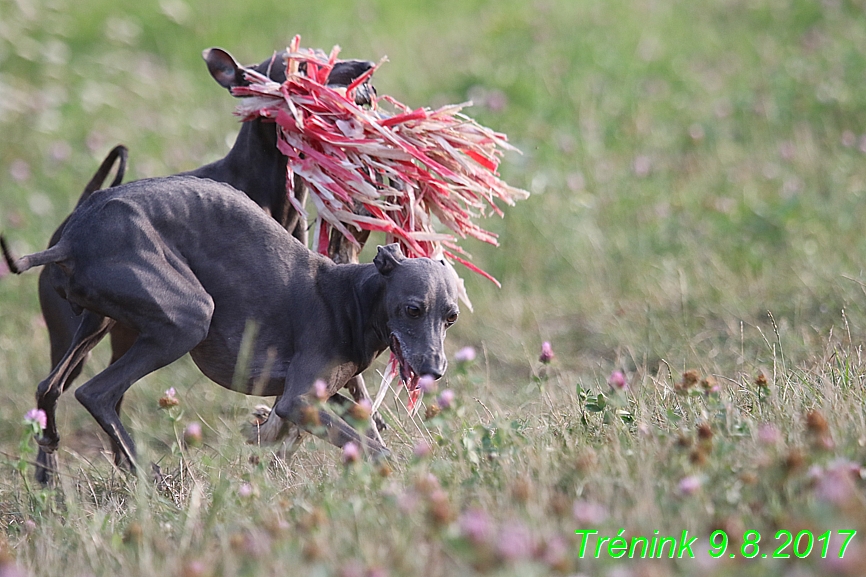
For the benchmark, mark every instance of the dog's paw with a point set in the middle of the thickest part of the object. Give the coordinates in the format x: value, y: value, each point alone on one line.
x: 380, y: 423
x: 260, y: 415
x: 265, y: 428
x: 46, y: 467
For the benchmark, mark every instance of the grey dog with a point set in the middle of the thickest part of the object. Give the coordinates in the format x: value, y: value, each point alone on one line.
x: 188, y: 263
x: 253, y: 166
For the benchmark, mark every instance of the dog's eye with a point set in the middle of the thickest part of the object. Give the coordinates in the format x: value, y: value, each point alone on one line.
x: 413, y: 312
x: 451, y: 319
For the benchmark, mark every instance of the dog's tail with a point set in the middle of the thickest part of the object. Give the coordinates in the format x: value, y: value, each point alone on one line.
x: 57, y: 253
x: 118, y: 152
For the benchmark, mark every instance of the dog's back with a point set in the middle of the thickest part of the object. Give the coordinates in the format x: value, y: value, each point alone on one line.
x: 183, y: 225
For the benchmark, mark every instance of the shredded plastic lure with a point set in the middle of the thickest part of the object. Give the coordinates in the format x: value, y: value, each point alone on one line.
x: 371, y: 169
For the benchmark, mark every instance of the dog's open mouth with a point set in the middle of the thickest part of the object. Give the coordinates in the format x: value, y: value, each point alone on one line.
x: 407, y: 373
x: 408, y: 377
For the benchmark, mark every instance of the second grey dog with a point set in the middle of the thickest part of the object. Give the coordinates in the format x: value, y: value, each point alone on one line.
x: 188, y: 262
x: 253, y: 166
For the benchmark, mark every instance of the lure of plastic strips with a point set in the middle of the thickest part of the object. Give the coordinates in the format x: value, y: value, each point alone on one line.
x: 374, y: 169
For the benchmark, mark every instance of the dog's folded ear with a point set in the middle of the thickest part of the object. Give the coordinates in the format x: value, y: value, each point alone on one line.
x: 224, y: 68
x: 345, y: 72
x: 388, y: 258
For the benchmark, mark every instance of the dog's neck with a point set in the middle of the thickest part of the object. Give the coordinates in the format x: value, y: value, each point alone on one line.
x: 361, y: 290
x: 254, y: 165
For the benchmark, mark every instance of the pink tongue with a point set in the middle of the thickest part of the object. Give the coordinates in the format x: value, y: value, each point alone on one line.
x: 414, y: 397
x: 414, y: 392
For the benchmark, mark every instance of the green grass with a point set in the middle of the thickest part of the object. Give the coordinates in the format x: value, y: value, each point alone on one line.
x: 698, y: 181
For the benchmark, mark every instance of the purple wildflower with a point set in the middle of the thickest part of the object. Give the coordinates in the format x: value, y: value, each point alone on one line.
x: 515, y: 542
x: 555, y: 553
x: 446, y: 399
x: 546, y: 352
x: 37, y: 416
x: 351, y: 453
x: 689, y: 485
x: 19, y: 170
x: 321, y: 390
x: 769, y: 435
x: 476, y: 526
x: 353, y: 568
x: 642, y: 166
x: 427, y: 384
x: 192, y: 434
x: 422, y: 449
x: 465, y: 355
x: 617, y: 381
x: 9, y: 568
x: 194, y: 568
x: 408, y: 502
x: 169, y: 399
x: 836, y: 483
x: 588, y: 513
x: 362, y: 410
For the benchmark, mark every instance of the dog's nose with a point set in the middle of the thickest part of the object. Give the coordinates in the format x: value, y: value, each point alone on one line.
x: 435, y: 370
x: 433, y: 364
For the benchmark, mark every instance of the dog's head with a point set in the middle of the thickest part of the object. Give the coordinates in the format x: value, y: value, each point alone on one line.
x: 421, y: 303
x: 228, y: 73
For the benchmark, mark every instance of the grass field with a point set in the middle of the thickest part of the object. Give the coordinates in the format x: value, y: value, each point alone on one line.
x: 698, y: 179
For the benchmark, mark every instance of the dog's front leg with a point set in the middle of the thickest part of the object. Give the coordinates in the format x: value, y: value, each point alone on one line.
x: 267, y: 428
x: 295, y: 405
x: 346, y: 405
x: 358, y: 389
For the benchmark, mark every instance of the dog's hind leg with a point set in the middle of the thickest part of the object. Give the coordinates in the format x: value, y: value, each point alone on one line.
x: 122, y: 339
x: 91, y: 329
x: 61, y: 333
x: 60, y: 320
x: 101, y: 394
x: 172, y: 315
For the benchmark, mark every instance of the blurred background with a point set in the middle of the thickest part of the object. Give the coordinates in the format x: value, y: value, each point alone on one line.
x: 693, y: 165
